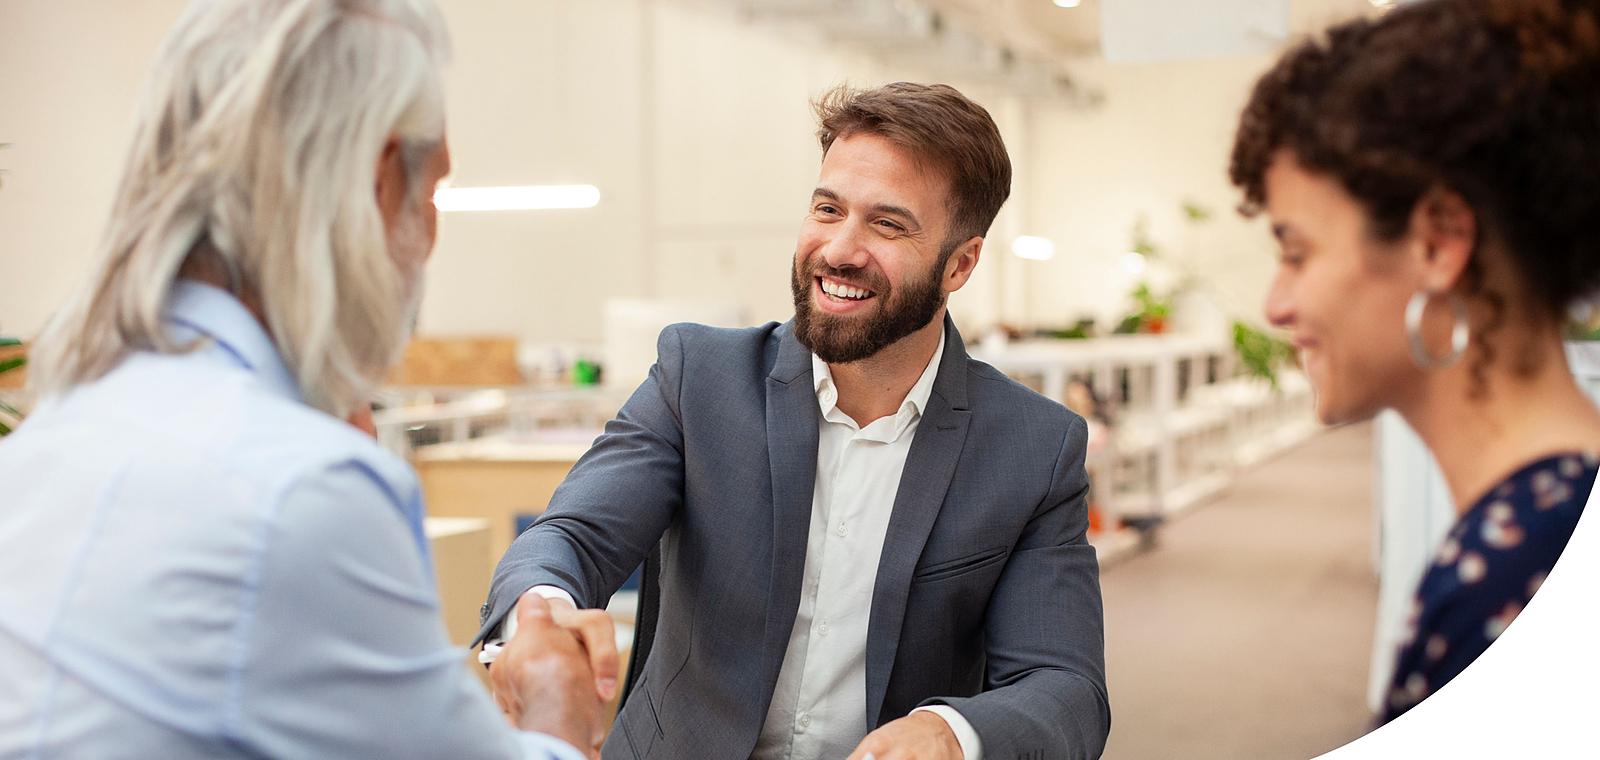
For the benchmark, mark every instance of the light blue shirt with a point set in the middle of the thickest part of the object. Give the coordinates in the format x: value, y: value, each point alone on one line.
x: 195, y: 563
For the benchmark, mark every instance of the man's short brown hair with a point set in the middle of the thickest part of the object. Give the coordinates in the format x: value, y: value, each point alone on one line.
x: 938, y: 125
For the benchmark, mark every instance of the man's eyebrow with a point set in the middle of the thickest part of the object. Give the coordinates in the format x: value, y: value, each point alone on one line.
x: 882, y: 208
x: 900, y: 211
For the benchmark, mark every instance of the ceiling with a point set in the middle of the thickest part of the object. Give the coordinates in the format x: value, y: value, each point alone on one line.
x: 1030, y: 45
x: 1075, y: 32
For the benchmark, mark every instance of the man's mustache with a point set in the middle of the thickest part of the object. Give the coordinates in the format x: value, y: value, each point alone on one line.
x: 858, y: 278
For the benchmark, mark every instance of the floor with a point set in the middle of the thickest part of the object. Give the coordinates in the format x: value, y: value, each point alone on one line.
x: 1246, y: 632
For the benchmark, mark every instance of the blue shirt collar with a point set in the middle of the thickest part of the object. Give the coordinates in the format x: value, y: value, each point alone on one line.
x: 196, y: 310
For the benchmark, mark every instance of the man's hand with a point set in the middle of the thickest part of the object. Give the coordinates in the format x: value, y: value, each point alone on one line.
x: 542, y: 680
x: 918, y: 736
x: 597, y: 632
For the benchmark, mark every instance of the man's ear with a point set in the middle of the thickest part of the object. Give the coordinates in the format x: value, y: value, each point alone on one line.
x: 958, y: 269
x: 1447, y: 228
x: 391, y: 182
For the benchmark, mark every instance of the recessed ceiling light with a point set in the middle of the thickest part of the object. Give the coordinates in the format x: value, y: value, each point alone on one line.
x: 1134, y: 263
x: 1033, y: 247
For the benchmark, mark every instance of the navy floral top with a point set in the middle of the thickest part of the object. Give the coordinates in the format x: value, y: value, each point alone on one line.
x: 1488, y: 567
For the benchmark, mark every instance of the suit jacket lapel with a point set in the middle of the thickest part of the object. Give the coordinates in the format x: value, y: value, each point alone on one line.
x: 792, y: 424
x: 930, y: 465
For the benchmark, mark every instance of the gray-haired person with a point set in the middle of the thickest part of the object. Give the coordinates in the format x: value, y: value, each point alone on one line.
x: 201, y: 558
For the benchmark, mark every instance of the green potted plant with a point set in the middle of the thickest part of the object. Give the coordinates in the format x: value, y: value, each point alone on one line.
x: 1149, y: 315
x: 1153, y: 311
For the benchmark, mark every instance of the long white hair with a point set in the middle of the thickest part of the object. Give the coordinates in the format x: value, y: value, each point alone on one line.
x: 259, y: 134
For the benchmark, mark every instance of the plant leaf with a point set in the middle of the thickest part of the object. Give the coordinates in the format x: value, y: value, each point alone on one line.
x: 1260, y: 353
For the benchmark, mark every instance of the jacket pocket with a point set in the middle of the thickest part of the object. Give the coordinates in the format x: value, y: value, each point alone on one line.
x: 960, y: 565
x: 639, y: 723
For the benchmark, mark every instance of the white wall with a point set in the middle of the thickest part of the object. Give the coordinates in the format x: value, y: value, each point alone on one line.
x: 544, y: 92
x: 697, y: 129
x: 1161, y: 138
x: 69, y: 78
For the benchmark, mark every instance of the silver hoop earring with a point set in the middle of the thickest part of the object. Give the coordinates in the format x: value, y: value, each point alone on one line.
x: 1459, y: 333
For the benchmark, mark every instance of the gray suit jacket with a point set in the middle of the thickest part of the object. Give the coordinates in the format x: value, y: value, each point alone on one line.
x: 987, y: 597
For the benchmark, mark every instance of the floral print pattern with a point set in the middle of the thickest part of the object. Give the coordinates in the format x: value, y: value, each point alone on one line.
x: 1486, y: 570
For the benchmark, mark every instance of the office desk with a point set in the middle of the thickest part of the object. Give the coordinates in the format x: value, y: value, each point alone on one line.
x: 498, y: 478
x: 459, y: 545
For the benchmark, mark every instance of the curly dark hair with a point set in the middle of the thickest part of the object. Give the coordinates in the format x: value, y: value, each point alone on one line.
x: 1497, y: 100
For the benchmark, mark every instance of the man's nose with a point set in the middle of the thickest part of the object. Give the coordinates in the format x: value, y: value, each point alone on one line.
x: 846, y: 248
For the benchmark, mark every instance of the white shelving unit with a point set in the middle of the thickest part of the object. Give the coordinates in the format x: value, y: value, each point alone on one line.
x: 1185, y: 420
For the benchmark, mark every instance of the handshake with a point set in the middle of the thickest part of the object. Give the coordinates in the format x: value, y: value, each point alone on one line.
x: 558, y: 671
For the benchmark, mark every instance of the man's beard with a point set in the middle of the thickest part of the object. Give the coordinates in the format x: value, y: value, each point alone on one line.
x: 843, y: 339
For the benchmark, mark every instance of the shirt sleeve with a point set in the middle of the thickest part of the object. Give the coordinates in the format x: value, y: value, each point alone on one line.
x: 493, y: 645
x: 966, y: 736
x: 343, y: 653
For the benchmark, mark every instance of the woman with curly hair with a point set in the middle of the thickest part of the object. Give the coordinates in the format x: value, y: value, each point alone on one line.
x: 1433, y: 181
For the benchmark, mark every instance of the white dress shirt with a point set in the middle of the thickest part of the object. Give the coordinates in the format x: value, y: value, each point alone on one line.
x: 819, y: 705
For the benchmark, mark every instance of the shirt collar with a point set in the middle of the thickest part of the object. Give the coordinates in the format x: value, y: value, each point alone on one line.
x: 196, y: 310
x: 911, y: 409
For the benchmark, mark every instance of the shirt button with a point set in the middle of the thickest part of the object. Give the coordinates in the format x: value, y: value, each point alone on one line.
x: 841, y: 530
x: 822, y: 628
x: 805, y: 721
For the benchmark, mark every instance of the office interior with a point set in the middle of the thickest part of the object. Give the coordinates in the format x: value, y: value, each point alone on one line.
x: 1254, y: 562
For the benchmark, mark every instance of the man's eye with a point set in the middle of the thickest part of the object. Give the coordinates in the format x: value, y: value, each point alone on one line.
x: 885, y: 223
x: 826, y: 208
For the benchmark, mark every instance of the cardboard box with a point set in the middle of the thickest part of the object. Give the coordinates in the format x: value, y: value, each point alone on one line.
x: 460, y: 546
x: 459, y: 362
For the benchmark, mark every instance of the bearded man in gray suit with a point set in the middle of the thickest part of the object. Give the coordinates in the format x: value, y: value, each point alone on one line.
x: 871, y: 544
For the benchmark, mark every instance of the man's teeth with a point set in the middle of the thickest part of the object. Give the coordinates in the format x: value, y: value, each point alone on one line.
x: 844, y: 291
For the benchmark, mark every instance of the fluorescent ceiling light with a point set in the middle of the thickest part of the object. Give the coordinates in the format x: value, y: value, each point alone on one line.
x: 1068, y: 3
x: 1033, y: 247
x: 517, y: 198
